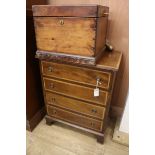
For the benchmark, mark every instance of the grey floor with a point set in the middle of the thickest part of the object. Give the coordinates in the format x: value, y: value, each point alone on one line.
x: 60, y: 139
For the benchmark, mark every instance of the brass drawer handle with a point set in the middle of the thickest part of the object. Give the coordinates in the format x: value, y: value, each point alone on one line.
x: 61, y: 22
x: 50, y: 69
x: 94, y: 110
x: 51, y: 85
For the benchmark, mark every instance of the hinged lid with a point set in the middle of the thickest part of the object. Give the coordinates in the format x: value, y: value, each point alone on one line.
x: 70, y: 11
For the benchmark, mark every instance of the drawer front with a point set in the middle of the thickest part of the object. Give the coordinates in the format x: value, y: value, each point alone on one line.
x: 75, y: 105
x: 76, y: 91
x: 77, y: 74
x: 66, y: 35
x: 74, y: 118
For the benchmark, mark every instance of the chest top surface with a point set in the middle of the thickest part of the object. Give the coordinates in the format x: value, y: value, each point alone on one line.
x: 109, y: 61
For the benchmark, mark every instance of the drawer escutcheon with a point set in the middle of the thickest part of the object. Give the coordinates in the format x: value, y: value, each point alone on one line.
x: 61, y: 22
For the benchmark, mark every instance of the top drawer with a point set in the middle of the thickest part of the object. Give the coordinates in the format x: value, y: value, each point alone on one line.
x: 77, y: 74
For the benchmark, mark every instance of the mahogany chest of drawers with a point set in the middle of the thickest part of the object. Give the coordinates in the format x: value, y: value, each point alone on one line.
x: 77, y: 85
x: 69, y: 92
x: 71, y: 33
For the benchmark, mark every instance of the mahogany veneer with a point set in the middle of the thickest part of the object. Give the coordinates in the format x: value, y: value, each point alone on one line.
x: 69, y: 93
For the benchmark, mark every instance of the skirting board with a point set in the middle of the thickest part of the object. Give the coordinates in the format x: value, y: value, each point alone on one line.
x: 31, y: 124
x: 120, y: 137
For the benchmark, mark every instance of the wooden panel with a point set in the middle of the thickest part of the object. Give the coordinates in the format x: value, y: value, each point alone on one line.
x: 70, y: 11
x: 59, y: 35
x: 35, y: 110
x: 101, y: 33
x: 110, y: 60
x: 74, y: 118
x: 76, y: 91
x: 75, y: 105
x: 77, y: 74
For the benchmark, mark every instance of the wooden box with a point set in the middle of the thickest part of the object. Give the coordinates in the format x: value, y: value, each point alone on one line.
x: 74, y: 34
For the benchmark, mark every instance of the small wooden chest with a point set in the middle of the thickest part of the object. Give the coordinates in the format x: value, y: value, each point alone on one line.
x: 70, y: 33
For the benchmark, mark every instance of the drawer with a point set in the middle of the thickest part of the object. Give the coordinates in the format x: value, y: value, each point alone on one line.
x: 75, y: 90
x: 75, y: 105
x: 77, y: 74
x: 74, y: 118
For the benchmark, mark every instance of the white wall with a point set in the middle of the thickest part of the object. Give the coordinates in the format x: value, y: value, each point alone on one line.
x: 124, y: 124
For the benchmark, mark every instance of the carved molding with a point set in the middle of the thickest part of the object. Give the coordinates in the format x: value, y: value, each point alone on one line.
x: 67, y: 58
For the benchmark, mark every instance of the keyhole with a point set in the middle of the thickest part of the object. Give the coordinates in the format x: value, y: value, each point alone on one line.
x: 61, y: 22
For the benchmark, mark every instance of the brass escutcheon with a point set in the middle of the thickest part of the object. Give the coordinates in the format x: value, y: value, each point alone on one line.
x: 61, y: 22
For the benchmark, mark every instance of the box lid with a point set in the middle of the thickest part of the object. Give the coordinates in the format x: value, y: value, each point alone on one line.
x: 70, y: 11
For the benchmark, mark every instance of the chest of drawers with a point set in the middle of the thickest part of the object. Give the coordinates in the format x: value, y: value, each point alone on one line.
x: 71, y: 33
x: 69, y: 92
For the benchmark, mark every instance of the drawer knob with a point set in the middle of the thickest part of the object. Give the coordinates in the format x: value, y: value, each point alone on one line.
x: 92, y: 124
x: 53, y: 99
x: 50, y: 69
x: 54, y: 112
x: 94, y: 110
x: 61, y: 22
x: 51, y: 85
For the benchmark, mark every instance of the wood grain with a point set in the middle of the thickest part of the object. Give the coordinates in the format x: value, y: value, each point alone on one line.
x: 75, y: 105
x: 74, y: 118
x: 77, y: 74
x: 118, y: 35
x: 101, y: 33
x: 71, y: 29
x: 67, y: 58
x: 110, y: 60
x: 76, y: 91
x: 70, y: 11
x: 66, y: 38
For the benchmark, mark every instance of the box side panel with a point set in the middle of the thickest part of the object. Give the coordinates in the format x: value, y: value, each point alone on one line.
x: 101, y: 34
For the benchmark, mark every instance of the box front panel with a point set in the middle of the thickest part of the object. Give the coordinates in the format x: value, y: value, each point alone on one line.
x: 66, y: 35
